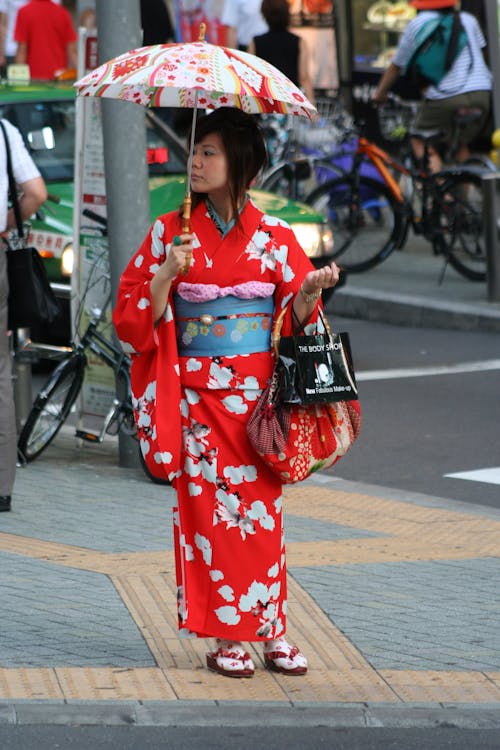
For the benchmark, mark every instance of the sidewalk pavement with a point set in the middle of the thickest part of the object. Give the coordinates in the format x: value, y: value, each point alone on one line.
x: 405, y: 290
x: 393, y: 596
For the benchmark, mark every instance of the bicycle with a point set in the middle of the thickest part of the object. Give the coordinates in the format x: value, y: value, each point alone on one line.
x: 301, y: 150
x: 371, y: 216
x: 54, y: 403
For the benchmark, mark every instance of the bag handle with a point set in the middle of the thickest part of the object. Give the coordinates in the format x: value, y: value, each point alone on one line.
x: 278, y: 325
x: 12, y: 184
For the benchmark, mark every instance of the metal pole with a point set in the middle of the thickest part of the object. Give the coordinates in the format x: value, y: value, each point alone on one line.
x: 23, y: 396
x: 491, y: 182
x: 126, y: 172
x: 343, y: 39
x: 492, y: 12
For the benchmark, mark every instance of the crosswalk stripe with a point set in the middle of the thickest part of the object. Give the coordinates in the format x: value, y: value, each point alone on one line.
x: 490, y: 476
x: 416, y: 372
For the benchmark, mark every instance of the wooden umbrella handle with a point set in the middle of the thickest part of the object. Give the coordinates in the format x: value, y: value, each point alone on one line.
x: 186, y: 227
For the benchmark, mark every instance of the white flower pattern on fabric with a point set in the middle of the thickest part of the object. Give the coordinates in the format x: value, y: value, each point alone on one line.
x: 204, y: 546
x: 258, y: 596
x: 240, y: 474
x: 231, y: 510
x: 157, y: 246
x: 188, y: 549
x: 235, y: 404
x: 273, y: 572
x: 228, y: 615
x: 258, y: 512
x: 227, y: 593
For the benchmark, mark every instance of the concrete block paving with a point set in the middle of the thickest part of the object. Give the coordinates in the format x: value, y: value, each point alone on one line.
x: 393, y: 601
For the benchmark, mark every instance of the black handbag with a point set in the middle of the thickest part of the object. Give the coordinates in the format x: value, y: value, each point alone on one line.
x: 315, y: 368
x: 31, y: 298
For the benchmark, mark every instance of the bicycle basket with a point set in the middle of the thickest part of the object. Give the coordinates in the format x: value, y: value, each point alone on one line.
x: 325, y: 132
x: 394, y: 121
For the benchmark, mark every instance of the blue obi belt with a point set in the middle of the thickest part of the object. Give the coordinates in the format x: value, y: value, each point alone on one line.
x: 223, y: 326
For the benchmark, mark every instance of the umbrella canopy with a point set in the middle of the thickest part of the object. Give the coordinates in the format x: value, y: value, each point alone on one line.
x: 196, y: 74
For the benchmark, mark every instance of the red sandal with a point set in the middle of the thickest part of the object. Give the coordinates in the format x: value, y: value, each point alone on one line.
x: 285, y: 659
x: 231, y: 661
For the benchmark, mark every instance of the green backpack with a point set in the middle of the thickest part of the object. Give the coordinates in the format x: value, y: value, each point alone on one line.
x: 438, y: 44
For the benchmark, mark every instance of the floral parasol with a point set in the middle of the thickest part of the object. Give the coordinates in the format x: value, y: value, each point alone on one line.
x: 196, y: 74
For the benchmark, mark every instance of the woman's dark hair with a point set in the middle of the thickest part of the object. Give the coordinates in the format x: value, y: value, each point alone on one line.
x: 243, y: 144
x: 276, y: 14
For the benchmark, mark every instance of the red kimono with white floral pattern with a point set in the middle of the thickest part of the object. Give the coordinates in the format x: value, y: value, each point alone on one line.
x: 229, y: 546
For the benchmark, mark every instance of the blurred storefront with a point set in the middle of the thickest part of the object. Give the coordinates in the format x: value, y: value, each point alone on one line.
x: 368, y: 33
x: 313, y: 20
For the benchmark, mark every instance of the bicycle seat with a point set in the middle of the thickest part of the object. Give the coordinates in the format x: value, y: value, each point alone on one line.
x: 429, y: 136
x: 466, y: 115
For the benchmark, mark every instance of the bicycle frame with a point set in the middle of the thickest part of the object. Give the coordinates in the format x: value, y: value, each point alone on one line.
x: 104, y: 348
x: 384, y: 162
x: 380, y: 159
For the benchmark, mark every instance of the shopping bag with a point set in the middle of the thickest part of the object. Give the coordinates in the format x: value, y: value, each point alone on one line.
x: 316, y: 368
x: 31, y: 298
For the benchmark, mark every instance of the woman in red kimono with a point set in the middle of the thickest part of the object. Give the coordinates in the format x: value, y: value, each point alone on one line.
x: 200, y: 344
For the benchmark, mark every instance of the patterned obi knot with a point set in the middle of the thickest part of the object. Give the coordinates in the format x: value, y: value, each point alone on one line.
x: 224, y: 326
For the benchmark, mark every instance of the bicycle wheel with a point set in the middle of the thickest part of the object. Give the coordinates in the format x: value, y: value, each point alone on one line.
x: 459, y: 216
x: 51, y: 407
x: 366, y: 220
x: 298, y: 178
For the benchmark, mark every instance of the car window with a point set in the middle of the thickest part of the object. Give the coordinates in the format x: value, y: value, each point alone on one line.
x: 53, y: 152
x: 55, y: 163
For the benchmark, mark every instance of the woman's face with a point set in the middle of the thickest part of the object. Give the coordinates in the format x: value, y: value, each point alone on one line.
x: 210, y: 172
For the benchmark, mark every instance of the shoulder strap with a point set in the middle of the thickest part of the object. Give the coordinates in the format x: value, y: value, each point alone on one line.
x: 453, y: 49
x: 12, y: 183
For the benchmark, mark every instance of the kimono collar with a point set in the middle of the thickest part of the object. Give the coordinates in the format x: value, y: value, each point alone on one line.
x: 221, y: 225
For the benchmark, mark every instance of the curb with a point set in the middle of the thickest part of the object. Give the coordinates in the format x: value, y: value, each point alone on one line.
x: 242, y: 714
x: 414, y: 310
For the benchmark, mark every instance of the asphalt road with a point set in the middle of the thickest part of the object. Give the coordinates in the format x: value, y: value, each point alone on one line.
x: 430, y: 408
x: 245, y: 738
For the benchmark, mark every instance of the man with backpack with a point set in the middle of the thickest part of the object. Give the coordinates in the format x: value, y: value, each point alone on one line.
x: 441, y: 50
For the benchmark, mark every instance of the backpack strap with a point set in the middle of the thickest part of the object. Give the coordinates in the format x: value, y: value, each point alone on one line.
x: 12, y: 183
x: 451, y: 52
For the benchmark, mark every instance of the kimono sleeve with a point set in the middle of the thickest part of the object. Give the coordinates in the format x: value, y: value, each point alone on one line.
x: 133, y: 314
x: 295, y: 267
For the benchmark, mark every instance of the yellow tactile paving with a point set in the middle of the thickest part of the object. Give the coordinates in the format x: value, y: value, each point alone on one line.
x: 17, y: 684
x: 442, y: 687
x: 114, y: 684
x: 402, y: 549
x: 338, y: 671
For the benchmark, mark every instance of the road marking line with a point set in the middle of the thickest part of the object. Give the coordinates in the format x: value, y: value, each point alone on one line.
x: 417, y: 372
x: 490, y: 476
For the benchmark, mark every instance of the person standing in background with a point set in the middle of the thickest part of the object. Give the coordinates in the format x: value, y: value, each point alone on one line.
x: 156, y: 24
x: 32, y: 194
x: 289, y: 53
x: 46, y: 37
x: 8, y: 15
x: 286, y: 51
x: 243, y: 21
